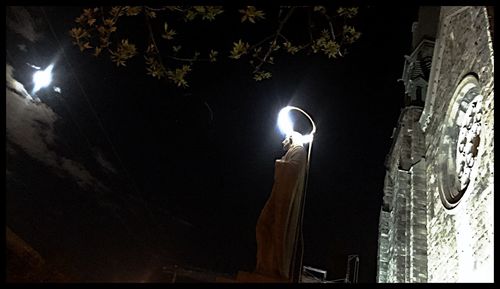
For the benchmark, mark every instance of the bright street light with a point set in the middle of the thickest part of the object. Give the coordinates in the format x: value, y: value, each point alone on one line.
x: 42, y: 78
x: 285, y: 124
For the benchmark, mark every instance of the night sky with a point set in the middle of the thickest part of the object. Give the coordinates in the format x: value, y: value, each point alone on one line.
x: 187, y: 171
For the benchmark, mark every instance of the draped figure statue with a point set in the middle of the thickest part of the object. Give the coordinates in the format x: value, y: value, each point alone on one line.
x: 277, y: 226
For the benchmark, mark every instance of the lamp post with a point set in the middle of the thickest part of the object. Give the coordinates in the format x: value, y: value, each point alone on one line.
x: 286, y: 126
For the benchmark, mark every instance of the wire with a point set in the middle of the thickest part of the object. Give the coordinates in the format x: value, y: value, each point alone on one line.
x: 131, y: 181
x: 75, y: 123
x: 90, y: 104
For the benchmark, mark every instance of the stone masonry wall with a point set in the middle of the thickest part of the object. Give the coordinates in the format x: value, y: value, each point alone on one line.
x: 402, y: 231
x: 460, y: 240
x: 383, y: 247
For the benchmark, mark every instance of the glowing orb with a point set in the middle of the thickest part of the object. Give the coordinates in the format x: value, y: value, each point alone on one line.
x: 285, y: 125
x: 284, y: 122
x: 42, y: 78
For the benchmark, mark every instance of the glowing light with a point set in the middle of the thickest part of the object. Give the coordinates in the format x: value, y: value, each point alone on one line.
x: 307, y: 138
x: 284, y: 122
x: 42, y: 78
x: 298, y: 137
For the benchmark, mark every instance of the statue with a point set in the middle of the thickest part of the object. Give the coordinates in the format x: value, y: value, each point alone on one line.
x: 277, y: 226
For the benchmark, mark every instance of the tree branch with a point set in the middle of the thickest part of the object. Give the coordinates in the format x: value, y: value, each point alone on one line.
x: 276, y: 34
x: 188, y: 59
x: 331, y: 29
x: 309, y: 25
x: 260, y: 42
x: 283, y: 36
x: 151, y: 35
x: 155, y: 9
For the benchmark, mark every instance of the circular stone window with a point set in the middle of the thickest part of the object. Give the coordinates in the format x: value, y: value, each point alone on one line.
x: 468, y: 142
x: 458, y: 157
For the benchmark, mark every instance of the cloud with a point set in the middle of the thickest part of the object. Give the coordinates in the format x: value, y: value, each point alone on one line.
x: 14, y: 85
x: 30, y: 125
x: 22, y: 47
x: 20, y: 21
x: 104, y: 162
x: 83, y: 177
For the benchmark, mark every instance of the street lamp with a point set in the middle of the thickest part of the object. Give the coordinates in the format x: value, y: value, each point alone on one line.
x: 286, y: 126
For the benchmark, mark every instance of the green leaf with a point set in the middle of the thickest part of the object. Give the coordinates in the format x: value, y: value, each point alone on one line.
x: 190, y: 15
x: 77, y: 33
x: 239, y: 48
x: 319, y: 8
x: 331, y: 49
x: 155, y: 69
x: 347, y: 12
x: 274, y: 45
x: 257, y: 51
x: 199, y: 9
x: 176, y: 48
x: 123, y: 52
x: 350, y: 34
x: 251, y: 14
x: 211, y: 12
x: 88, y: 12
x: 178, y: 75
x: 169, y: 34
x: 261, y: 75
x: 151, y: 48
x: 80, y: 19
x: 213, y: 55
x: 151, y: 13
x: 134, y: 10
x: 290, y: 48
x: 116, y: 11
x: 109, y: 22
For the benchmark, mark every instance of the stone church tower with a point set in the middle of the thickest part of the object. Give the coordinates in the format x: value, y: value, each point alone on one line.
x: 436, y: 220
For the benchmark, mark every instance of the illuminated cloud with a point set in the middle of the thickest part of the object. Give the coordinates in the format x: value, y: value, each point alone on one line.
x: 30, y: 125
x: 20, y: 21
x: 14, y: 85
x: 103, y: 161
x: 22, y: 47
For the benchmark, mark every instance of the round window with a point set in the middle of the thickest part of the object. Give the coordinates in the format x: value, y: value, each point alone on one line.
x: 458, y: 157
x: 468, y: 142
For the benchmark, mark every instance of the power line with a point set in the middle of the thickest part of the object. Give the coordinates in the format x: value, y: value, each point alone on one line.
x: 131, y: 182
x: 90, y: 105
x: 75, y: 123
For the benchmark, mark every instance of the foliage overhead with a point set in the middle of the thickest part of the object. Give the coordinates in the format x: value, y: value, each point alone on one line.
x: 314, y: 30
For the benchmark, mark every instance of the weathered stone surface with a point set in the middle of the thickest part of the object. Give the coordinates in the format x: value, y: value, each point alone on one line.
x: 436, y: 223
x: 402, y: 230
x: 457, y: 250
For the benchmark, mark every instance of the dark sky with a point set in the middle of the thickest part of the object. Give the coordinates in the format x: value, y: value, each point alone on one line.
x: 205, y: 175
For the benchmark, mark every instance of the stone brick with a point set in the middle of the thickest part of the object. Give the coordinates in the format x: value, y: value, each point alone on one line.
x: 426, y: 239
